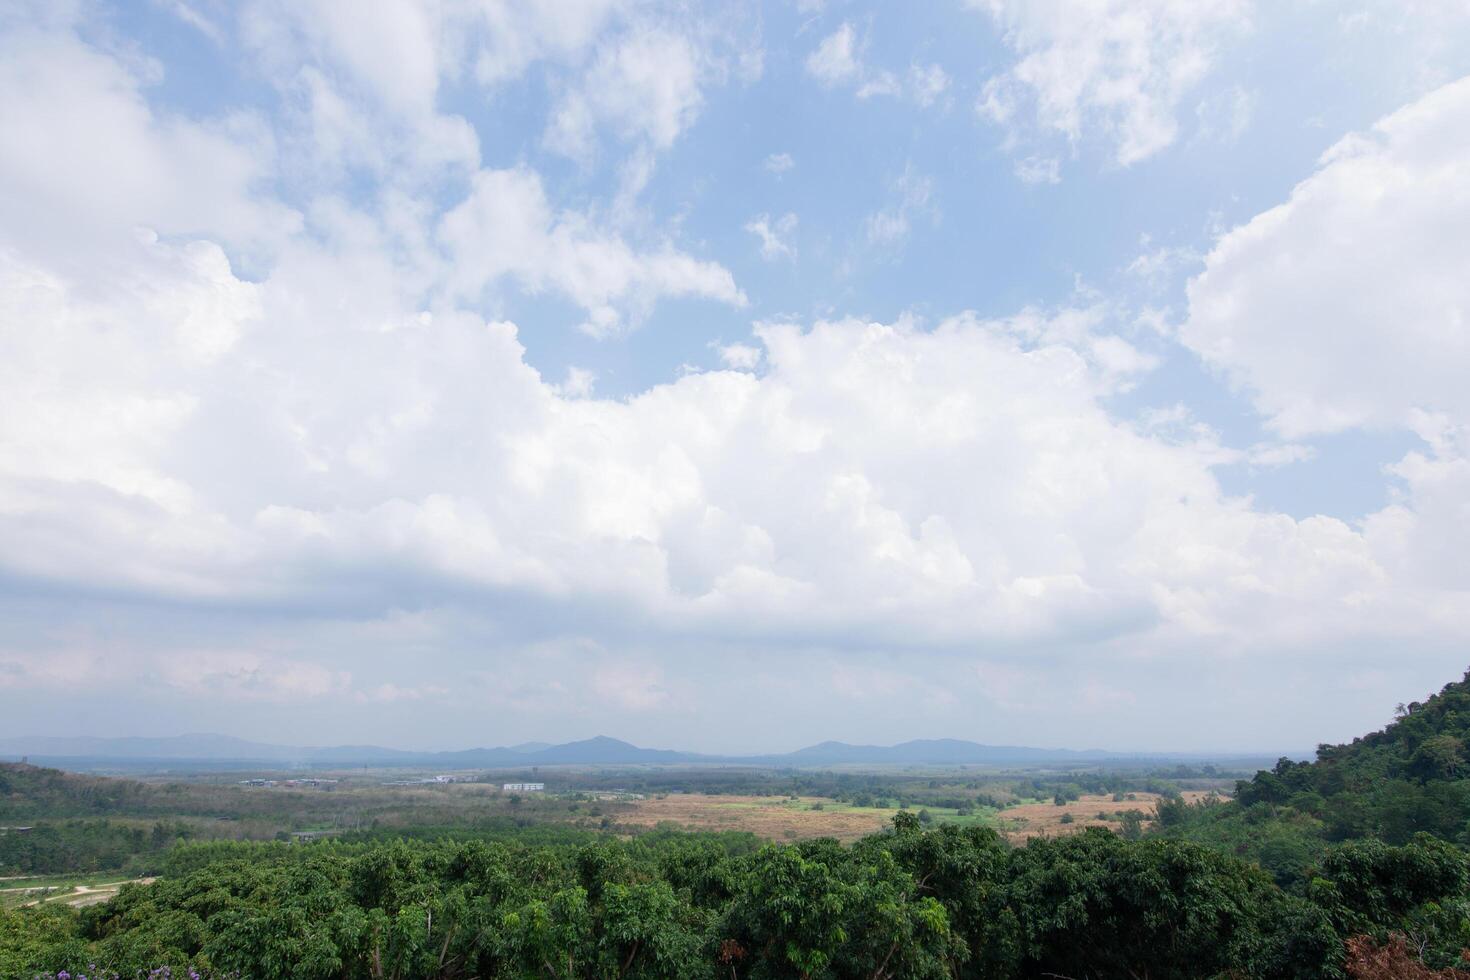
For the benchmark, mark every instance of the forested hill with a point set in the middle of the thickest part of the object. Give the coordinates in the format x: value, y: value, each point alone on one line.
x: 1411, y: 777
x: 30, y: 791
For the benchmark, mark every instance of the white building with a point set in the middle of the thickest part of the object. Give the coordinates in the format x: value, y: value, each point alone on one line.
x: 524, y: 787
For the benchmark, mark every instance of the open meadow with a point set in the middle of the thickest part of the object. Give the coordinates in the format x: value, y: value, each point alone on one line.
x: 804, y: 817
x: 773, y: 818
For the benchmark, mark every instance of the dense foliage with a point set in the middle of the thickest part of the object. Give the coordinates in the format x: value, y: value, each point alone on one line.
x: 1411, y: 778
x: 907, y: 903
x: 31, y: 791
x: 71, y: 846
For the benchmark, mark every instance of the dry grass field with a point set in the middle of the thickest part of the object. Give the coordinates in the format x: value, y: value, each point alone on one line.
x: 1045, y: 819
x: 1020, y: 823
x: 780, y: 818
x: 773, y: 817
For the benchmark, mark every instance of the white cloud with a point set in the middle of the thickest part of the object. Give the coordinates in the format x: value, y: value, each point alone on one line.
x: 645, y: 87
x: 634, y: 688
x: 911, y: 198
x: 740, y: 357
x: 779, y: 163
x: 237, y: 676
x: 368, y: 90
x: 879, y: 83
x: 1039, y: 170
x: 1345, y: 306
x: 506, y: 227
x: 835, y: 60
x: 310, y: 446
x: 1426, y: 41
x: 517, y: 34
x: 1273, y: 454
x: 1225, y: 116
x: 186, y: 13
x: 928, y: 83
x: 838, y: 61
x: 365, y: 90
x: 84, y: 158
x: 1117, y: 67
x: 775, y: 237
x: 1158, y: 263
x: 956, y: 485
x: 388, y: 693
x: 919, y: 489
x: 579, y: 383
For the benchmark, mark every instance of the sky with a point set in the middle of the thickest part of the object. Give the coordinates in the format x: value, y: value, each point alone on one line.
x: 731, y: 377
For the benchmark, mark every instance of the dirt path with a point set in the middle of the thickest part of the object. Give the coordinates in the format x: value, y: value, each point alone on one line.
x: 76, y: 896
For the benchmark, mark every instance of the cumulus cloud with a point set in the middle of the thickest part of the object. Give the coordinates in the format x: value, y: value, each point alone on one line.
x: 950, y: 488
x: 578, y: 384
x: 929, y: 487
x: 1120, y: 68
x: 262, y: 454
x: 1370, y: 331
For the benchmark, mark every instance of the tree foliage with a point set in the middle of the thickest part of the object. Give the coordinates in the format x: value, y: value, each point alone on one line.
x: 910, y: 902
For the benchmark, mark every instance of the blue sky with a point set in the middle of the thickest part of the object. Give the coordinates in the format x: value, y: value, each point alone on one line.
x: 733, y: 376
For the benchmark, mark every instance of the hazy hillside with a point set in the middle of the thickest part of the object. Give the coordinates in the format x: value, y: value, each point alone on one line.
x: 29, y: 791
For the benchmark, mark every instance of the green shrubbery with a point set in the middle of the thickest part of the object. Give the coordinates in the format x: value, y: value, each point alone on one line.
x: 951, y: 902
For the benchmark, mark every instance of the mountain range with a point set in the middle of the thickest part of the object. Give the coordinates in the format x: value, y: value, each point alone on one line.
x: 224, y: 751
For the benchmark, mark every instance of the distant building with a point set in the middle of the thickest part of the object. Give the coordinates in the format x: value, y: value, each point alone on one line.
x: 524, y: 787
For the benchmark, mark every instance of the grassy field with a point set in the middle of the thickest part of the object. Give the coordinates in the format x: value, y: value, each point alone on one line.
x: 1046, y: 818
x: 781, y: 818
x: 777, y: 817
